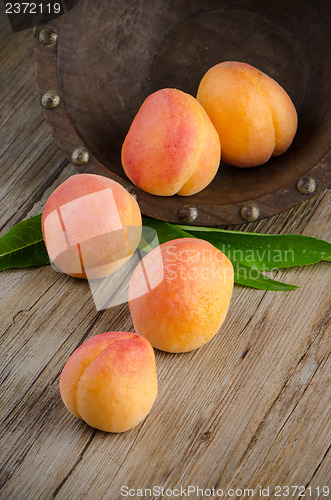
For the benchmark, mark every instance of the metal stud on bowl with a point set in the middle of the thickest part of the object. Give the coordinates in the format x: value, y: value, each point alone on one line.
x: 306, y: 185
x: 187, y: 213
x: 50, y: 99
x: 47, y: 36
x: 80, y: 156
x: 132, y: 192
x: 250, y: 212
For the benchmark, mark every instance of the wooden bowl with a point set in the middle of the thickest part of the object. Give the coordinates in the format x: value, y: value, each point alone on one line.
x: 97, y: 63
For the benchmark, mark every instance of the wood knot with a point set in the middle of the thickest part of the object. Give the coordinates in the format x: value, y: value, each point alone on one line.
x: 206, y: 436
x: 244, y: 354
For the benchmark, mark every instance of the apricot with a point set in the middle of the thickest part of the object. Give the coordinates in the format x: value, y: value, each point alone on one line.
x: 253, y: 115
x: 188, y: 306
x: 172, y: 146
x: 91, y: 225
x: 110, y: 381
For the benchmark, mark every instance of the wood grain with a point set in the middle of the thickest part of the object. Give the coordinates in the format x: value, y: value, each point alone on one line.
x: 250, y: 408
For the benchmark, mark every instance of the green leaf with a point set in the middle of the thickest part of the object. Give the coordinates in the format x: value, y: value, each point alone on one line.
x: 165, y: 231
x: 23, y: 245
x: 243, y: 274
x: 265, y: 251
x: 249, y: 276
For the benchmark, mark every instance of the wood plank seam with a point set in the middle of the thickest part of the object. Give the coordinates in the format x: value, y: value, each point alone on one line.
x: 81, y: 456
x: 318, y: 467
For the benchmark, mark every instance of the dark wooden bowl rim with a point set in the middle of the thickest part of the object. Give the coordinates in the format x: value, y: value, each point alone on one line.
x: 174, y: 209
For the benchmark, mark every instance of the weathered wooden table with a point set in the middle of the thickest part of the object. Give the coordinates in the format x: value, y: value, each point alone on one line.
x: 249, y: 410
